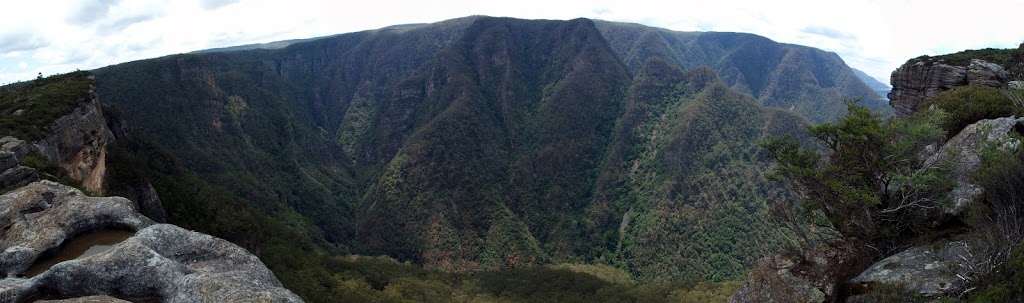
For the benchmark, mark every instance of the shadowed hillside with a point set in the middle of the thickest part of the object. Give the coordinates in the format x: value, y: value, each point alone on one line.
x: 776, y: 74
x: 486, y: 143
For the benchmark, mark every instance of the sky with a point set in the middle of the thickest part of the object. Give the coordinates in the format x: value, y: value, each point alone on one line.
x: 875, y: 36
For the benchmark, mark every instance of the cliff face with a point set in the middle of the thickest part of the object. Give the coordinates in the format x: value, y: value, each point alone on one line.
x: 60, y: 120
x: 77, y: 141
x: 922, y: 78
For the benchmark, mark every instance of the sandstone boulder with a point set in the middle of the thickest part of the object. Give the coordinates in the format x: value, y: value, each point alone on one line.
x: 787, y: 278
x: 172, y: 264
x: 160, y: 261
x: 17, y: 176
x: 963, y: 154
x: 89, y: 299
x: 38, y: 217
x: 13, y: 145
x: 918, y: 80
x: 7, y: 160
x: 929, y: 270
x: 981, y: 72
x: 923, y: 78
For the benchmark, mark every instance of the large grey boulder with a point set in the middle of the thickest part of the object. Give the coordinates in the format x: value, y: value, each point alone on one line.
x: 963, y: 155
x: 918, y: 80
x: 175, y: 265
x: 160, y: 261
x: 923, y: 78
x: 774, y: 280
x: 17, y: 176
x: 984, y: 73
x: 12, y: 174
x: 14, y: 145
x: 38, y: 217
x: 929, y: 270
x: 89, y: 299
x: 7, y: 160
x: 788, y: 278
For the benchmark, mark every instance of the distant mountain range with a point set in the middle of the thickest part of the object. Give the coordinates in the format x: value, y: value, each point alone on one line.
x: 881, y: 88
x: 483, y: 143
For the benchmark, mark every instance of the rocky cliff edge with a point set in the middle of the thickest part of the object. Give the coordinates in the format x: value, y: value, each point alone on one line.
x: 161, y: 261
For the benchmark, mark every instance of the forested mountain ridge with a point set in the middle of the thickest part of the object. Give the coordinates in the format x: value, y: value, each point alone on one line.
x: 482, y: 143
x: 881, y: 88
x: 776, y: 74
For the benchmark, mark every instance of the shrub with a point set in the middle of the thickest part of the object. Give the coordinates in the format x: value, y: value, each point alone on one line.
x: 968, y: 104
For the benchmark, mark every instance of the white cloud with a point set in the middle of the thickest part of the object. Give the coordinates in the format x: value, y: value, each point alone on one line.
x: 875, y: 36
x: 87, y: 12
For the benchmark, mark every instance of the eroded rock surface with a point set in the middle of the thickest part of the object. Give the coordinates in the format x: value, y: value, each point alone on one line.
x: 918, y: 80
x: 963, y: 154
x: 167, y: 262
x: 89, y: 299
x: 39, y: 217
x: 929, y: 270
x: 77, y: 142
x: 160, y: 261
x: 921, y: 78
x: 14, y: 145
x: 14, y: 175
x: 782, y: 278
x: 984, y: 73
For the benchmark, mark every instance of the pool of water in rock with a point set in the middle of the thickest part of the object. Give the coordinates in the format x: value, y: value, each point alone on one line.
x: 81, y: 246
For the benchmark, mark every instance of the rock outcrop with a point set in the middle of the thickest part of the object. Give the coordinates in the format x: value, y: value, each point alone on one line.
x: 160, y: 261
x: 12, y: 174
x: 38, y: 217
x: 981, y: 72
x: 14, y: 145
x: 89, y: 299
x: 963, y: 152
x: 929, y: 270
x: 175, y: 265
x: 922, y: 78
x: 787, y: 278
x: 77, y: 142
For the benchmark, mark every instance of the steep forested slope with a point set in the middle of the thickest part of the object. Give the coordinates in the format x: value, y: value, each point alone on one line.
x: 688, y: 181
x: 782, y: 75
x: 482, y: 143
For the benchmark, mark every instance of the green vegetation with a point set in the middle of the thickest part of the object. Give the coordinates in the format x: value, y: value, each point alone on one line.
x: 478, y: 151
x: 27, y: 108
x: 478, y: 144
x: 998, y: 220
x: 871, y: 187
x: 1004, y: 57
x: 698, y: 181
x: 968, y: 104
x: 48, y: 170
x: 381, y: 279
x: 1006, y: 284
x: 318, y: 277
x: 808, y: 81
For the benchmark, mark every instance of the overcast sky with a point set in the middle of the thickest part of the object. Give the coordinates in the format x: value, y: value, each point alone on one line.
x: 876, y: 36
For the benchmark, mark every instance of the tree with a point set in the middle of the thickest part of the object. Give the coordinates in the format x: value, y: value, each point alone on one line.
x: 864, y: 181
